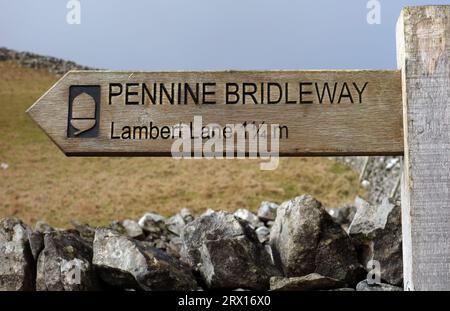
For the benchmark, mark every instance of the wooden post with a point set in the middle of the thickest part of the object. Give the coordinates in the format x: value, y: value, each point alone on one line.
x: 423, y: 54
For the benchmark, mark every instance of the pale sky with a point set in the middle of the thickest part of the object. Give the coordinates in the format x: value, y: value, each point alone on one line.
x: 207, y: 34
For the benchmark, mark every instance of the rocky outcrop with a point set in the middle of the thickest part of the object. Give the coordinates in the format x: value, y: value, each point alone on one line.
x: 305, y: 239
x: 226, y: 252
x: 16, y: 259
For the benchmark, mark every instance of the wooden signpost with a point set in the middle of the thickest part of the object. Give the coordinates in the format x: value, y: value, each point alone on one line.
x: 318, y: 113
x: 423, y: 39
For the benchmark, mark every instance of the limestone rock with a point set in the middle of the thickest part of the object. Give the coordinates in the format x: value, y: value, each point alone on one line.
x: 65, y: 263
x: 43, y: 227
x: 176, y: 223
x: 128, y: 263
x: 151, y: 222
x: 173, y: 248
x: 132, y: 228
x: 226, y: 252
x: 36, y: 240
x: 186, y: 214
x: 263, y: 234
x: 85, y: 231
x: 376, y: 232
x: 249, y: 217
x: 209, y: 226
x: 308, y: 282
x: 267, y: 211
x: 344, y: 289
x: 343, y: 215
x: 16, y: 259
x: 305, y: 239
x: 208, y: 212
x: 379, y: 287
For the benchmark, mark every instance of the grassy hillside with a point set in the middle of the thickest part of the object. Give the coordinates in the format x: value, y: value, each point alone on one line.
x: 41, y: 183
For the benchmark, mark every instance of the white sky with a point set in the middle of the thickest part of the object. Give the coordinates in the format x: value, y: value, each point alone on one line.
x: 207, y: 34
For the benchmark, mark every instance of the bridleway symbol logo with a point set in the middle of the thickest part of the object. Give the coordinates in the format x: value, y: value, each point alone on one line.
x: 84, y: 111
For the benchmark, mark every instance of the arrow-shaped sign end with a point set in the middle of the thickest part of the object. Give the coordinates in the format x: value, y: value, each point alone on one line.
x: 46, y: 109
x: 34, y: 108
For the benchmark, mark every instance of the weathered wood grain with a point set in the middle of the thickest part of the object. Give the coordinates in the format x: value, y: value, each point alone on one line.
x: 371, y: 125
x: 423, y: 38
